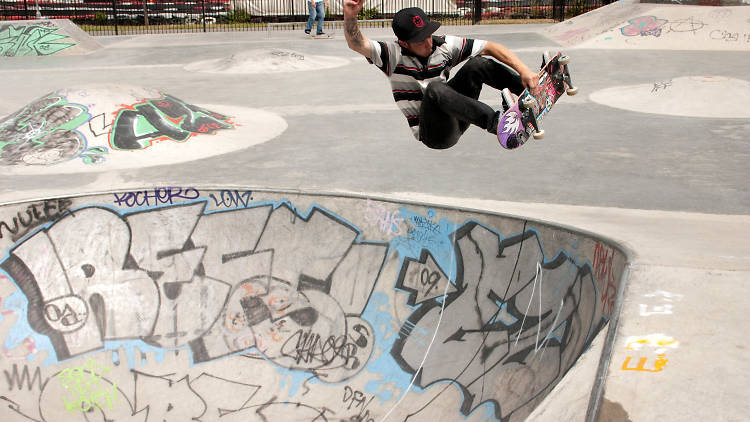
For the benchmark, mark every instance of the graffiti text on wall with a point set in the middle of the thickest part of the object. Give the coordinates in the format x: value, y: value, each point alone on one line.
x: 31, y: 40
x: 33, y: 216
x: 155, y: 197
x: 85, y: 389
x: 223, y: 277
x: 299, y: 307
x: 495, y: 323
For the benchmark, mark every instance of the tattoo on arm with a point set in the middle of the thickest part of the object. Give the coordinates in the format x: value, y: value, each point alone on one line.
x: 352, y: 30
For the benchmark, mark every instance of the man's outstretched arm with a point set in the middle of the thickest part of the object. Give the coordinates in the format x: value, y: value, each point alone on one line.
x: 504, y: 55
x: 354, y: 37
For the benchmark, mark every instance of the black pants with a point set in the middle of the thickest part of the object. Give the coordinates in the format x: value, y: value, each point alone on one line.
x: 449, y: 107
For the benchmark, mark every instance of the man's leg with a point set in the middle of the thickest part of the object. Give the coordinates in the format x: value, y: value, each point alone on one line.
x: 321, y: 15
x: 449, y: 108
x: 310, y: 17
x: 437, y: 128
x: 479, y: 71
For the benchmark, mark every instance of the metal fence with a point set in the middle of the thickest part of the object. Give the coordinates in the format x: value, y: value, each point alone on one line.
x: 114, y: 17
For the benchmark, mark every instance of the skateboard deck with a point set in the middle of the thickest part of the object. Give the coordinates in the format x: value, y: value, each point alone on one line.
x: 521, y: 118
x: 321, y: 37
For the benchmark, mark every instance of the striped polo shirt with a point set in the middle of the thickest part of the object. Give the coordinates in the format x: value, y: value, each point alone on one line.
x: 410, y: 75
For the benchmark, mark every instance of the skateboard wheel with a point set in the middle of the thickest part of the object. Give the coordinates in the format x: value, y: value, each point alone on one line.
x: 572, y: 91
x: 564, y: 60
x: 539, y: 135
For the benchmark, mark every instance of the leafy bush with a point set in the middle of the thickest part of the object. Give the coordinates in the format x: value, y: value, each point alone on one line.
x: 370, y: 13
x: 239, y: 16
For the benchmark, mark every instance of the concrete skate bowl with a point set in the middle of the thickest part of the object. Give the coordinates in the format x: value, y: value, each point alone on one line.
x: 241, y: 305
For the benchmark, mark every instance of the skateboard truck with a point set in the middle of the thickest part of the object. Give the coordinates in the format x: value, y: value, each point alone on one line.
x: 526, y: 105
x: 571, y: 90
x: 561, y: 77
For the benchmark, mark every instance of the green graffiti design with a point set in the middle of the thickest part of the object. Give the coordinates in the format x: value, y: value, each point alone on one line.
x: 165, y: 118
x: 33, y: 40
x: 86, y: 389
x: 43, y: 133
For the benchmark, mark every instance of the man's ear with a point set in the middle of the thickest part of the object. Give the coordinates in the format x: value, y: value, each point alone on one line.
x: 403, y: 44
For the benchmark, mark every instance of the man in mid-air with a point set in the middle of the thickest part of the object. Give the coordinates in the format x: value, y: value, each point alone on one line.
x: 437, y: 109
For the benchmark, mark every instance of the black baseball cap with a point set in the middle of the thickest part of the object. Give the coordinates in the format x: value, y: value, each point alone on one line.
x: 413, y: 25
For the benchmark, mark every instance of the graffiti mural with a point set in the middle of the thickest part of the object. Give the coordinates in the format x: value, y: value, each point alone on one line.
x: 31, y: 40
x: 97, y: 127
x: 152, y: 120
x: 644, y: 26
x: 244, y: 305
x: 43, y: 133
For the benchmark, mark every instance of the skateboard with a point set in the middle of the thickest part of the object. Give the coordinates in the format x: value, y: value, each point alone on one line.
x: 521, y: 117
x: 321, y: 36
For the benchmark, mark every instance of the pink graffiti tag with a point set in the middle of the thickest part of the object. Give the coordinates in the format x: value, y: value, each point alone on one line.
x: 643, y: 26
x: 568, y: 35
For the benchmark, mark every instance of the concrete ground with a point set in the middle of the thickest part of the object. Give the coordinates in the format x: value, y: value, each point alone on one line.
x: 672, y: 189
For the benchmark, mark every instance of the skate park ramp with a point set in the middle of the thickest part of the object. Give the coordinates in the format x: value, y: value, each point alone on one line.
x: 266, y: 60
x: 44, y: 37
x: 103, y: 127
x: 242, y: 305
x: 631, y: 24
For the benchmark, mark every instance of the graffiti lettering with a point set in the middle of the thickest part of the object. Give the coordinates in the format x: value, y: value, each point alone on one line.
x: 67, y: 317
x: 233, y: 198
x: 35, y: 215
x: 424, y: 279
x: 425, y: 224
x: 659, y: 363
x: 310, y: 347
x: 158, y: 196
x: 724, y: 35
x: 178, y: 280
x: 429, y: 280
x: 387, y: 221
x: 602, y: 267
x: 166, y: 118
x: 483, y: 340
x: 358, y: 400
x: 85, y: 389
x: 291, y: 54
x: 31, y: 40
x: 658, y: 341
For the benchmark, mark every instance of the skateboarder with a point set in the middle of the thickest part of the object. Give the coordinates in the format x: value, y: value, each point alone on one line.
x: 438, y: 110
